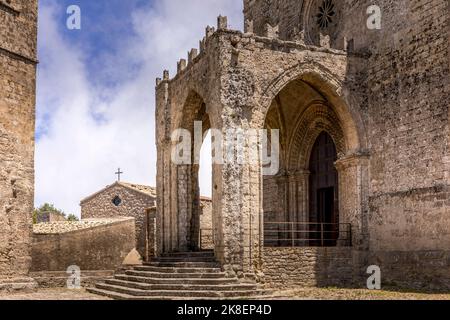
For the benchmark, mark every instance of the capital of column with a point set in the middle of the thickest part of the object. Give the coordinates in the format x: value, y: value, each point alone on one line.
x: 352, y: 160
x: 298, y: 175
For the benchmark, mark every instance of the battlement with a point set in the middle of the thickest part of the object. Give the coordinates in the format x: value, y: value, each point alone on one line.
x: 270, y: 39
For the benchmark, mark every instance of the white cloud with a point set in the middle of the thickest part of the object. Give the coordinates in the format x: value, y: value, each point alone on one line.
x: 77, y: 155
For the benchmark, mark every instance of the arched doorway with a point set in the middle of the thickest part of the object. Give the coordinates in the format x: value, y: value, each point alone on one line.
x: 324, y: 192
x: 302, y: 202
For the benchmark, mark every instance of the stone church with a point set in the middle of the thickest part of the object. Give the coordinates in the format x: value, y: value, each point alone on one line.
x: 363, y: 119
x: 364, y: 161
x: 123, y: 199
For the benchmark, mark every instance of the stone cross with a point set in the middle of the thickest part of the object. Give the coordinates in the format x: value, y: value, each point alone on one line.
x: 118, y: 174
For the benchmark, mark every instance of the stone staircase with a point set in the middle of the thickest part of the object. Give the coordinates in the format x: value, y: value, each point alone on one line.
x: 177, y: 276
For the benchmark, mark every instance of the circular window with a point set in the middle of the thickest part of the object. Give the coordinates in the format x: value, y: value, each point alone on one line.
x: 327, y: 12
x: 117, y: 201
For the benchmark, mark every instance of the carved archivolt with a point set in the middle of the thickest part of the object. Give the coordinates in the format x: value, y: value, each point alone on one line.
x: 315, y: 119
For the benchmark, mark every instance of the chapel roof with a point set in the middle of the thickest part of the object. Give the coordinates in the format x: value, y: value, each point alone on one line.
x: 146, y: 190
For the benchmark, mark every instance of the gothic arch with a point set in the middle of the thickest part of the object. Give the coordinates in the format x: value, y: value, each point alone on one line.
x: 331, y: 88
x: 186, y: 178
x: 316, y: 119
x: 332, y: 110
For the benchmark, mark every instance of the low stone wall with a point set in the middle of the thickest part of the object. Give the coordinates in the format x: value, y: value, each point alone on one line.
x: 58, y: 279
x: 346, y: 267
x: 101, y: 247
x: 414, y: 269
x: 308, y: 267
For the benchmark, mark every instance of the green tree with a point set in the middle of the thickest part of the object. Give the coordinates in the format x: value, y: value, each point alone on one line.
x: 72, y: 217
x: 46, y: 207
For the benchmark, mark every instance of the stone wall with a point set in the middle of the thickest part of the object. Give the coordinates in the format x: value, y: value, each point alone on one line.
x: 45, y: 217
x: 103, y: 247
x: 18, y: 37
x: 418, y: 269
x: 58, y: 279
x: 133, y: 204
x: 206, y: 224
x: 408, y: 79
x: 308, y: 267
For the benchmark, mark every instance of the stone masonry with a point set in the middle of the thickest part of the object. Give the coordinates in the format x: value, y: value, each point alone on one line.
x: 381, y: 95
x: 18, y: 37
x: 132, y: 201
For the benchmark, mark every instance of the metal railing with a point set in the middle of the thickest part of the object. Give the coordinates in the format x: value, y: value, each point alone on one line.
x: 305, y: 234
x: 295, y: 234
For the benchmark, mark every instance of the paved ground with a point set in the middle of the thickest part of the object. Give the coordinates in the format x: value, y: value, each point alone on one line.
x: 52, y: 294
x: 298, y: 294
x: 358, y: 294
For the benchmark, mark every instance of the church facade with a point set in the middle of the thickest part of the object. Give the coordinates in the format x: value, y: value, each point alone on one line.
x: 360, y: 98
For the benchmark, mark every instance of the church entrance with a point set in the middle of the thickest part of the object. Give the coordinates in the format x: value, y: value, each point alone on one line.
x: 324, y: 207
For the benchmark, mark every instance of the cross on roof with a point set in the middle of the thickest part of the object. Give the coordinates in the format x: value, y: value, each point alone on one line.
x: 118, y: 173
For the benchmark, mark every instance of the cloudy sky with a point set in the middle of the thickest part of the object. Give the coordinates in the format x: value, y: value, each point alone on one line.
x: 95, y: 90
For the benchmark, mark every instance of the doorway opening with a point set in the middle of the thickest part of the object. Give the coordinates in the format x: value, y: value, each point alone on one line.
x: 324, y: 197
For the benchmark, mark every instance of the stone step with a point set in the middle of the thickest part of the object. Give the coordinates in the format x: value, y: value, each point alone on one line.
x: 177, y: 270
x: 211, y: 259
x: 181, y: 287
x: 189, y: 254
x: 174, y: 275
x: 122, y: 296
x: 178, y: 293
x: 183, y: 264
x: 182, y: 281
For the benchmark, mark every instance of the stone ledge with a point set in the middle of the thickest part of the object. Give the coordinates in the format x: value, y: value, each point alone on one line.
x: 25, y: 284
x: 58, y: 279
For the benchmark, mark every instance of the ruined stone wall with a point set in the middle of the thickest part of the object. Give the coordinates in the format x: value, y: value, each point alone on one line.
x: 18, y: 37
x: 98, y: 248
x: 133, y: 204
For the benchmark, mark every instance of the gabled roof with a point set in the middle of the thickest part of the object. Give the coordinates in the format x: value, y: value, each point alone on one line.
x: 145, y: 190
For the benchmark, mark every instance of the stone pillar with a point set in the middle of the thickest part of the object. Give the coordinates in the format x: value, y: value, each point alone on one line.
x: 240, y: 212
x: 151, y: 242
x: 353, y: 196
x: 184, y: 207
x: 283, y: 212
x: 165, y: 197
x: 298, y: 182
x: 302, y: 178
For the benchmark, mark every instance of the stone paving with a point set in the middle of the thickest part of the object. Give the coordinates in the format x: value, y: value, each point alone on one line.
x: 357, y: 294
x: 296, y: 294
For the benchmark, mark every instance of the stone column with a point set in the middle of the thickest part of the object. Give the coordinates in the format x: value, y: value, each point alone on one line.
x: 164, y: 198
x: 240, y: 214
x: 151, y: 243
x: 184, y: 197
x: 353, y: 196
x: 283, y: 212
x: 299, y: 180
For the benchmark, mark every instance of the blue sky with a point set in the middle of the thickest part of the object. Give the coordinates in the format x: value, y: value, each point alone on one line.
x: 95, y: 89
